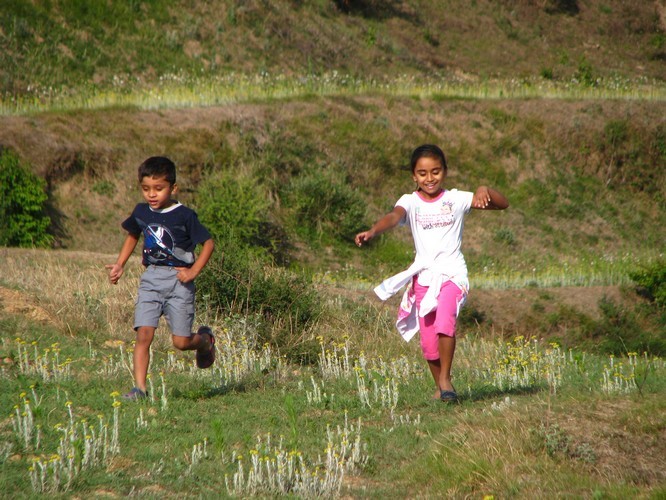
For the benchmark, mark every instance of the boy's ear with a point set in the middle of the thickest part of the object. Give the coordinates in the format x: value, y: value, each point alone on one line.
x: 174, y: 188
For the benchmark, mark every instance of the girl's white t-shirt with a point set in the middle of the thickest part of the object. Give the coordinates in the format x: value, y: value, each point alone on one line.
x: 437, y: 227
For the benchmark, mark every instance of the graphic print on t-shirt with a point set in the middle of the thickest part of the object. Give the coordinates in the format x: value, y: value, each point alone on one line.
x: 158, y: 243
x: 441, y: 216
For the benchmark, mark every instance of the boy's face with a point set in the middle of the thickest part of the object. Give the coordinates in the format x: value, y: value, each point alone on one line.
x: 157, y: 192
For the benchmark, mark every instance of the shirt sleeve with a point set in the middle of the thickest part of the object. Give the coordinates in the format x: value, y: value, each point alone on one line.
x: 465, y: 199
x: 131, y: 225
x: 405, y: 202
x: 197, y: 231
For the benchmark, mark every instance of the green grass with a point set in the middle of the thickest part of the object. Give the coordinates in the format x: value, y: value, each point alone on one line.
x: 184, y: 91
x: 372, y: 411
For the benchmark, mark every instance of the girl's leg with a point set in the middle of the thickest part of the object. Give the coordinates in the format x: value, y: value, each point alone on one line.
x: 438, y: 330
x: 144, y: 337
x: 435, y: 370
x: 447, y: 347
x: 441, y: 368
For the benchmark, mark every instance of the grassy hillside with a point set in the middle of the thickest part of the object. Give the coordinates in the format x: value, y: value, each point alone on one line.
x: 585, y: 178
x: 79, y: 48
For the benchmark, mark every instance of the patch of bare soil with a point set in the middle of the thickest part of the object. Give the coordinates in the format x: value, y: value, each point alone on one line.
x: 517, y: 310
x: 509, y: 309
x: 16, y: 303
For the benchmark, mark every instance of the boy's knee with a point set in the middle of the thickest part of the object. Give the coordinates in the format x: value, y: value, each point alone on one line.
x: 181, y: 343
x: 145, y: 334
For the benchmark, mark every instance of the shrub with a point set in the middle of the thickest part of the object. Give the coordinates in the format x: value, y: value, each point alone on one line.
x: 285, y: 304
x: 323, y: 203
x: 651, y: 282
x: 585, y: 73
x: 236, y: 209
x: 622, y: 330
x: 23, y: 222
x: 505, y: 235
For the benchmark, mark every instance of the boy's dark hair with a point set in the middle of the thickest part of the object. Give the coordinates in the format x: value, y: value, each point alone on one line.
x: 428, y: 151
x: 158, y: 166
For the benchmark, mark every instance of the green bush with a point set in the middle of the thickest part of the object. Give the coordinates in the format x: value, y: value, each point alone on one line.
x: 651, y: 282
x: 323, y: 203
x: 236, y: 209
x: 622, y: 330
x: 285, y: 304
x: 23, y: 221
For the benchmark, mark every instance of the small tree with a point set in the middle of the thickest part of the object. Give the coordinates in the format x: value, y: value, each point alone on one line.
x: 651, y: 282
x: 23, y: 221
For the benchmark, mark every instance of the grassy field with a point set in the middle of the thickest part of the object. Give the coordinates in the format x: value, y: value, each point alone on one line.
x: 534, y: 420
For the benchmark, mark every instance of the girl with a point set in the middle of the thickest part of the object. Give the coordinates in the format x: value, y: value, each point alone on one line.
x: 438, y: 276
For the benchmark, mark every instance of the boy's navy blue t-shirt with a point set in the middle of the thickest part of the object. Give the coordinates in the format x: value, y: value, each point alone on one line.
x: 169, y: 235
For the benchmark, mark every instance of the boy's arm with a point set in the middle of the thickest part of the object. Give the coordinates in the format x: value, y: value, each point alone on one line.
x: 486, y: 198
x: 389, y: 221
x: 187, y: 274
x: 116, y: 270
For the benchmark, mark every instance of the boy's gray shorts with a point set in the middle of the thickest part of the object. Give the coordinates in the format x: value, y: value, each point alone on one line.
x: 160, y: 292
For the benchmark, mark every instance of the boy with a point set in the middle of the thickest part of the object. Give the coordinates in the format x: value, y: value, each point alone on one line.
x: 170, y: 231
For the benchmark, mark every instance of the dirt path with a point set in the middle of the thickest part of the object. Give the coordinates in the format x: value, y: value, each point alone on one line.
x: 508, y: 309
x: 17, y: 303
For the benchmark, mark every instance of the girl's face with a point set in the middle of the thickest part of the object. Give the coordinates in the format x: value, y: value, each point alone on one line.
x: 429, y: 175
x: 157, y: 192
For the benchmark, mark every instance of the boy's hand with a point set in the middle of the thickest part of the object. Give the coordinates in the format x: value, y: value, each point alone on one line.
x: 185, y: 274
x: 115, y: 272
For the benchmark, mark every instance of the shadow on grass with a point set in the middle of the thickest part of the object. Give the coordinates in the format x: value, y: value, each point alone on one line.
x: 492, y: 392
x: 207, y: 392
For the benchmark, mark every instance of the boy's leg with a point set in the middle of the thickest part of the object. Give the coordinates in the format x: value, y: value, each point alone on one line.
x: 144, y: 337
x: 196, y: 341
x: 179, y: 311
x: 146, y: 318
x: 204, y: 343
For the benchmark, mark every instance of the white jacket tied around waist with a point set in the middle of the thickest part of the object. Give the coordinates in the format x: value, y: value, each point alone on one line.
x: 431, y: 274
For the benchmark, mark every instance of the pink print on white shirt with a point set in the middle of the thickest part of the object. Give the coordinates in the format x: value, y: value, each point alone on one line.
x: 431, y: 220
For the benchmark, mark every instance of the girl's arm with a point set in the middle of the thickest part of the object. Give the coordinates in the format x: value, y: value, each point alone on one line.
x: 390, y: 220
x: 116, y: 270
x: 486, y: 198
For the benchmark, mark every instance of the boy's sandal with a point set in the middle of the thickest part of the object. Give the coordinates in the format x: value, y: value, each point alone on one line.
x: 448, y: 396
x: 135, y: 394
x: 206, y: 359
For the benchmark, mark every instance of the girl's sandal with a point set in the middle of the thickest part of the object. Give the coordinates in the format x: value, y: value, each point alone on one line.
x: 448, y: 396
x: 206, y: 359
x: 135, y: 394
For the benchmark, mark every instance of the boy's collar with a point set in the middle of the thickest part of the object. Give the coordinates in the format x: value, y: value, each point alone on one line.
x: 174, y: 204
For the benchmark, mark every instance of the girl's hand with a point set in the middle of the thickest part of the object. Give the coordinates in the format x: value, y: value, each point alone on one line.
x: 115, y: 272
x: 486, y: 198
x: 389, y: 221
x: 363, y: 237
x: 481, y: 198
